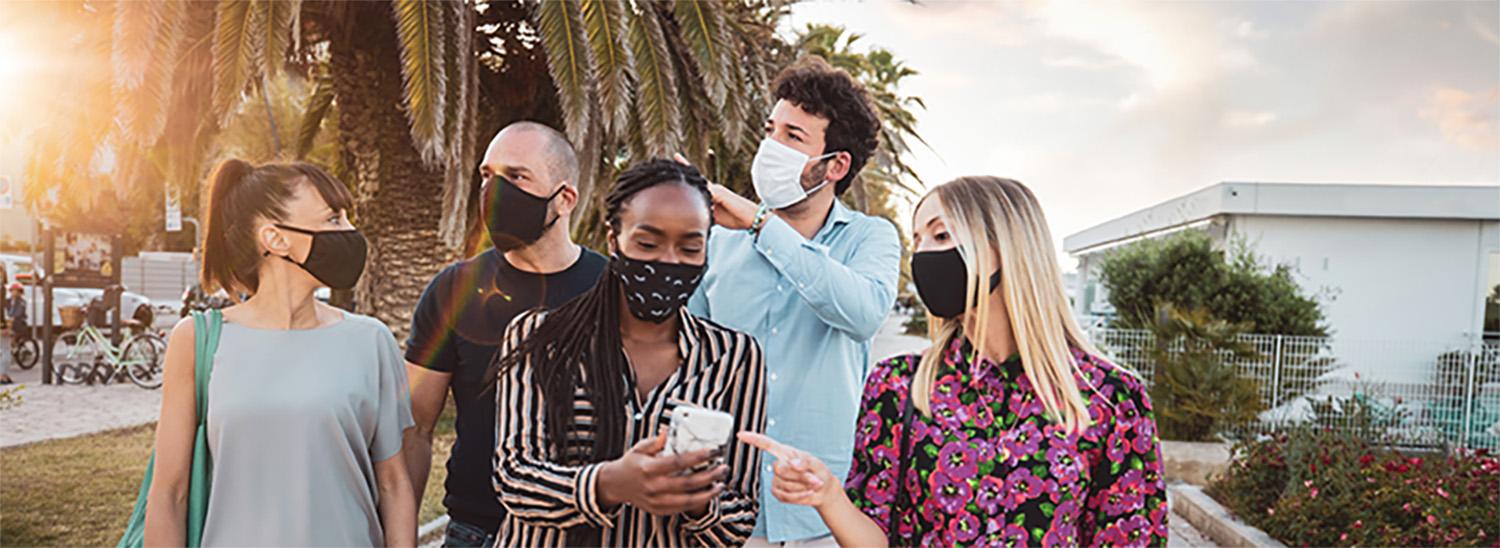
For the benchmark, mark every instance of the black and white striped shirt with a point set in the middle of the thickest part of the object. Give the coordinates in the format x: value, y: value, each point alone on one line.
x: 550, y: 499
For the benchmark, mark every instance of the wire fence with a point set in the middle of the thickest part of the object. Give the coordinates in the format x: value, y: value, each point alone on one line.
x: 1409, y: 393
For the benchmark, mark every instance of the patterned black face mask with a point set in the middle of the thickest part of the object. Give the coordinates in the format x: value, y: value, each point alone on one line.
x: 655, y: 290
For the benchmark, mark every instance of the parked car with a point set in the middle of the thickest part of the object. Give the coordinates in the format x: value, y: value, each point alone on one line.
x: 20, y: 269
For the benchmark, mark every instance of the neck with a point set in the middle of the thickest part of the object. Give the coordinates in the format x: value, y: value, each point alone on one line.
x: 998, y: 342
x: 636, y: 330
x: 284, y: 299
x: 553, y: 252
x: 808, y: 216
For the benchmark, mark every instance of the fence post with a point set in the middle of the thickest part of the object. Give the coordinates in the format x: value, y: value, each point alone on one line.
x: 1473, y: 359
x: 1276, y: 373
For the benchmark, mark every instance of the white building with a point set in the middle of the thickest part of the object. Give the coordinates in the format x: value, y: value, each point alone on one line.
x: 1408, y: 267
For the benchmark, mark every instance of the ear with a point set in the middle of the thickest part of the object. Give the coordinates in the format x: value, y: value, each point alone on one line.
x: 838, y: 165
x: 273, y: 240
x: 567, y: 199
x: 609, y: 238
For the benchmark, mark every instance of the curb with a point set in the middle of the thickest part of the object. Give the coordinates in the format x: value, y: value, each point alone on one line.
x: 432, y: 529
x: 1214, y: 521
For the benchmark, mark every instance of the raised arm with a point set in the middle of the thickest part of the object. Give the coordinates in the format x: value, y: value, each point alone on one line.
x: 853, y: 297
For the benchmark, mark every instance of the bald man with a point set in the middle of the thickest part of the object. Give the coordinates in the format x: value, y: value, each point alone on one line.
x: 530, y: 173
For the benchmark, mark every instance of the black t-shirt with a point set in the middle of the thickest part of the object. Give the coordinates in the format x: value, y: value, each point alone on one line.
x: 457, y: 327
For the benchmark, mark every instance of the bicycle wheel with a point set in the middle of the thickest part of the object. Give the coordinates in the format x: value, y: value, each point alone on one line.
x: 73, y: 373
x: 26, y: 353
x: 142, y: 362
x: 72, y: 347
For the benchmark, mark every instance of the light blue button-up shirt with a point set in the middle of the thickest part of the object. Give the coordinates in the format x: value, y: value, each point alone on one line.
x: 814, y: 305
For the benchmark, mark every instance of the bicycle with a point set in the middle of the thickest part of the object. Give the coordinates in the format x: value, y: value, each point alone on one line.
x: 138, y: 360
x: 24, y: 349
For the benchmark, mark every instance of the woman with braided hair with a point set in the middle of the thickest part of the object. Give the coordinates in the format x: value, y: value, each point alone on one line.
x: 584, y: 392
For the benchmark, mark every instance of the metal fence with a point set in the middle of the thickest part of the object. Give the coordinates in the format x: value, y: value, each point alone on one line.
x: 1408, y: 393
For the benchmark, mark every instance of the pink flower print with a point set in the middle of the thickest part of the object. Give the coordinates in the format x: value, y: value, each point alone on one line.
x: 1021, y: 486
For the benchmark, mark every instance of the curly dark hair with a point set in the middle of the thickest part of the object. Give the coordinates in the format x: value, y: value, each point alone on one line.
x: 827, y: 92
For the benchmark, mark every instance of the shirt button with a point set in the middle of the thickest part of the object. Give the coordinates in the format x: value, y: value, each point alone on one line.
x: 637, y: 416
x: 768, y: 468
x: 773, y: 377
x: 775, y: 330
x: 780, y: 288
x: 771, y: 422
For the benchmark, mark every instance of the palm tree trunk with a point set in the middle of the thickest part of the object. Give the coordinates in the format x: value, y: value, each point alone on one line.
x: 398, y: 198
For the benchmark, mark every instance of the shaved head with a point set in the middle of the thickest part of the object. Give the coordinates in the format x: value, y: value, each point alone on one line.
x: 558, y: 156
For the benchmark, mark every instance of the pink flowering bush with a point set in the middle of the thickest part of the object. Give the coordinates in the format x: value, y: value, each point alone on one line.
x: 1322, y: 487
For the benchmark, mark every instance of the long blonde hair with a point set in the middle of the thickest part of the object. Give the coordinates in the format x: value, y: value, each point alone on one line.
x: 990, y: 217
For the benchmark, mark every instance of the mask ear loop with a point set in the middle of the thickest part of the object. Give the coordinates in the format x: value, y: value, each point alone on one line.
x: 549, y: 200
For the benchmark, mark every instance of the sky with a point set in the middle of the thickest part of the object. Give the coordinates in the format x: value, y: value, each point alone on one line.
x: 1105, y: 108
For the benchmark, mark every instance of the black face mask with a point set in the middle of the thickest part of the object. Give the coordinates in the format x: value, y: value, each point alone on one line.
x: 655, y: 290
x: 514, y: 217
x: 942, y: 279
x: 336, y: 258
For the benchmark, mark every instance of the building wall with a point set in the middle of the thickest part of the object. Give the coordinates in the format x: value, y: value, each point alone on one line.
x: 1414, y: 286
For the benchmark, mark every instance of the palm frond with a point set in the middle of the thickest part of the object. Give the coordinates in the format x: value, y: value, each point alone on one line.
x: 278, y: 16
x: 238, y: 37
x: 144, y: 52
x: 560, y: 26
x: 703, y: 28
x: 656, y: 96
x: 463, y: 83
x: 319, y: 101
x: 421, y: 37
x: 614, y: 66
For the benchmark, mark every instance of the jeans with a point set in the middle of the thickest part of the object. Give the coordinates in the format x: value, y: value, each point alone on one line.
x: 464, y: 535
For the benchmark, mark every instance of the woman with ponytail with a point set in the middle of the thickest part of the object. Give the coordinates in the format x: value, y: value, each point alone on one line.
x: 1010, y: 430
x: 306, y: 403
x: 585, y: 391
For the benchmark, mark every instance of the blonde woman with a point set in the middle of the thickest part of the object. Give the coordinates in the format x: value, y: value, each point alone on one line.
x: 1020, y: 434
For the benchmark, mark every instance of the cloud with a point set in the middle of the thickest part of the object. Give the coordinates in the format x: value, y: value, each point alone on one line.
x: 1464, y: 118
x: 1248, y: 30
x: 1242, y: 119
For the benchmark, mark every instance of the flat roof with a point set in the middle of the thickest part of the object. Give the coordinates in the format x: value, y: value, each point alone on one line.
x: 1476, y: 202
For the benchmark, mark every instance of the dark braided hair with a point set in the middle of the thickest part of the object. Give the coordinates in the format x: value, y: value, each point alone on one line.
x: 585, y: 331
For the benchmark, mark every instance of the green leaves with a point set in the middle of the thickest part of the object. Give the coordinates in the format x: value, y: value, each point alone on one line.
x: 659, y: 118
x: 319, y: 102
x: 237, y: 40
x: 422, y: 40
x: 614, y: 62
x: 145, y: 43
x: 560, y: 26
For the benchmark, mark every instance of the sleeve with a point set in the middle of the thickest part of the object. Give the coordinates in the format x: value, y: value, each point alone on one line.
x: 731, y: 518
x: 1126, y: 503
x: 393, y: 411
x: 871, y: 484
x: 431, y: 344
x: 853, y: 297
x: 530, y: 484
x: 697, y: 304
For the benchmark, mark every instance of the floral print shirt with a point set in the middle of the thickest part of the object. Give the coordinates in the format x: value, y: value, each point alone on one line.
x: 988, y: 468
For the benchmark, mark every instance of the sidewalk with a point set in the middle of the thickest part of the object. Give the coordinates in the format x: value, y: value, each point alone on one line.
x: 63, y: 411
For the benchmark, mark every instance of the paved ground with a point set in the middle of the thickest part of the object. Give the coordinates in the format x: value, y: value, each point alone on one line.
x: 56, y: 411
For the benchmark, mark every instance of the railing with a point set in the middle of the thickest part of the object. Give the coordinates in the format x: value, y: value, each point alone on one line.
x: 1409, y: 393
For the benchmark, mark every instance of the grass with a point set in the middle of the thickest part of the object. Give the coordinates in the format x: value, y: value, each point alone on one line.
x: 79, y: 491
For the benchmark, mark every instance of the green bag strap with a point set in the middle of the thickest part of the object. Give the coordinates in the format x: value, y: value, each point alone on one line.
x: 206, y: 327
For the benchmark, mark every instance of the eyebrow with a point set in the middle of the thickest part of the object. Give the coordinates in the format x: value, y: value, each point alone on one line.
x: 789, y: 126
x: 659, y: 232
x: 933, y: 220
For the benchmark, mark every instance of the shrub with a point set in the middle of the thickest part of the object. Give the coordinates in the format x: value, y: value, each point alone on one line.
x: 1321, y: 486
x: 1195, y: 389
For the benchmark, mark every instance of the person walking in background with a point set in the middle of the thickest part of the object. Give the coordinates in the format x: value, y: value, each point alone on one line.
x: 1011, y: 429
x: 15, y: 327
x: 586, y: 390
x: 530, y: 190
x: 809, y: 278
x: 306, y: 403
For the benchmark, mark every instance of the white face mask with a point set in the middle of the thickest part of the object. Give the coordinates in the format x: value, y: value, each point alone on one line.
x: 777, y: 174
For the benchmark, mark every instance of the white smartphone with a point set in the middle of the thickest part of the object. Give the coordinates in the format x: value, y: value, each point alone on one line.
x: 697, y: 428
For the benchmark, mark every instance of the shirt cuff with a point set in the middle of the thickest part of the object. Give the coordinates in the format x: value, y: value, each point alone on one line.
x: 587, y: 497
x: 777, y: 240
x: 698, y: 524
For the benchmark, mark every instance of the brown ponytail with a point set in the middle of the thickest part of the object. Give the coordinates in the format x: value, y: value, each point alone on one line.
x: 240, y: 194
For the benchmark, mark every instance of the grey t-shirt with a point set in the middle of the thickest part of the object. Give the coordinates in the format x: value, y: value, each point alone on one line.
x: 296, y: 421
